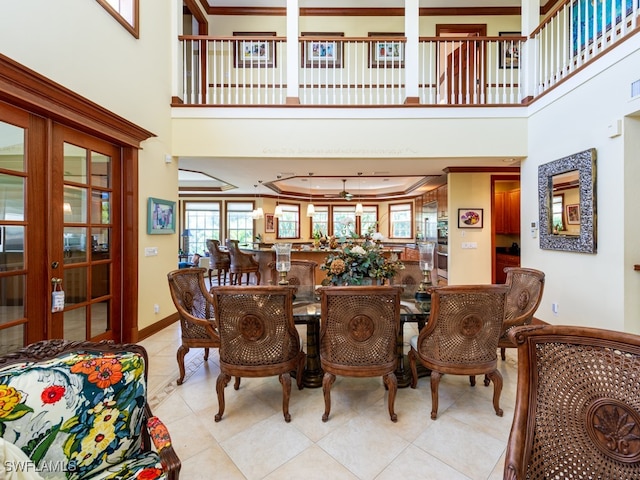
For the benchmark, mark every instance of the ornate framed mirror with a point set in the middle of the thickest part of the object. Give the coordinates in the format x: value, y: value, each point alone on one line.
x: 567, y: 203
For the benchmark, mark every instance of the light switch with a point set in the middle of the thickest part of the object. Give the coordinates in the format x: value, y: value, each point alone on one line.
x: 150, y: 251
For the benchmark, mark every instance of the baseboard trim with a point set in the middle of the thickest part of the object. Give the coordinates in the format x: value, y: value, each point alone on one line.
x: 156, y: 327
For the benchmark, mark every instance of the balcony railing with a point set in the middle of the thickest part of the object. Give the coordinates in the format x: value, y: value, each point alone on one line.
x: 449, y: 71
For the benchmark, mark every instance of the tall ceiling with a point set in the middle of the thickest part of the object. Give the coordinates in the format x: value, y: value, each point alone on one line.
x: 364, y: 178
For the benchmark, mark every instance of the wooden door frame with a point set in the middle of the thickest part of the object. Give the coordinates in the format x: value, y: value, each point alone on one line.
x: 47, y: 101
x: 494, y: 179
x: 460, y: 29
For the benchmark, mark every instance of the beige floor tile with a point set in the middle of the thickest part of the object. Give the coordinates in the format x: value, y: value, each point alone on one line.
x: 312, y: 464
x: 265, y: 446
x: 466, y: 442
x: 416, y: 464
x: 363, y: 446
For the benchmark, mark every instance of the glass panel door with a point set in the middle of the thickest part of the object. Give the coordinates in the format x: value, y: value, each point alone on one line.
x: 85, y: 242
x: 13, y: 180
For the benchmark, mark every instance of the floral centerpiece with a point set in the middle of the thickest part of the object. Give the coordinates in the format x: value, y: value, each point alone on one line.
x: 359, y: 260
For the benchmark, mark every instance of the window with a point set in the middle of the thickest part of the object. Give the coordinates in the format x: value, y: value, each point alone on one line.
x: 289, y: 223
x: 400, y: 220
x: 369, y: 220
x: 344, y: 221
x: 202, y: 219
x: 557, y: 208
x: 125, y: 12
x: 240, y: 222
x: 320, y: 221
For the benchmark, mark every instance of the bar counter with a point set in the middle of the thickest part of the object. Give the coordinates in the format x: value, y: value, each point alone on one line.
x: 264, y: 256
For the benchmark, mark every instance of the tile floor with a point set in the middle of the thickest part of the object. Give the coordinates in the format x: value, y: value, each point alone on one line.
x: 467, y: 441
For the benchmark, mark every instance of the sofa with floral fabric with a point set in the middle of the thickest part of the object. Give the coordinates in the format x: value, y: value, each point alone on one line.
x: 78, y: 410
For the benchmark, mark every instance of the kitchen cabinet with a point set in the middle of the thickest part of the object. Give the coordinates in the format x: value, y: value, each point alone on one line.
x: 441, y: 198
x: 507, y: 212
x: 505, y: 260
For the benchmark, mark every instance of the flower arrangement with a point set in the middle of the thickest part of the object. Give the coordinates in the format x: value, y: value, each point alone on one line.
x: 357, y: 260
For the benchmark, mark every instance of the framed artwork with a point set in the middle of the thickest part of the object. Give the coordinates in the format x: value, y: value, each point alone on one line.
x: 254, y: 53
x: 509, y: 50
x: 269, y: 223
x: 573, y: 213
x: 386, y: 53
x: 322, y: 53
x: 587, y: 19
x: 161, y: 216
x: 470, y: 217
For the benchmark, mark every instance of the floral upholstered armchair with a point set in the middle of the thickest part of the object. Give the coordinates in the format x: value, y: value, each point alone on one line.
x: 78, y: 410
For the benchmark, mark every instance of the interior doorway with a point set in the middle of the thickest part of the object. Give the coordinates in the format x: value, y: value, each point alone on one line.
x: 505, y: 225
x: 460, y: 62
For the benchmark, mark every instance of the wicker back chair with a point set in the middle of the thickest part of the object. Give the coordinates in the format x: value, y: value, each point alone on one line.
x: 241, y: 262
x: 577, y: 412
x: 358, y: 334
x: 461, y: 337
x: 303, y: 272
x: 195, y: 307
x: 525, y: 293
x: 219, y: 260
x: 257, y: 338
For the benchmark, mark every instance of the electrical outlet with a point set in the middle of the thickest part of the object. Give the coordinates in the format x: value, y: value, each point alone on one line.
x: 554, y: 308
x: 156, y: 308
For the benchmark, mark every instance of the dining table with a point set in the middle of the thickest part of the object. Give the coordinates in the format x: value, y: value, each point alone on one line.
x: 306, y: 311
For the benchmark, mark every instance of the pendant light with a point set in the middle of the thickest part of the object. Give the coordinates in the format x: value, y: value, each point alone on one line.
x: 359, y: 207
x: 277, y: 213
x: 311, y: 209
x: 257, y: 213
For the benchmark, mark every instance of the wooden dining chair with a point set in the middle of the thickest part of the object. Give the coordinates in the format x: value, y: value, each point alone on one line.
x: 303, y: 272
x: 196, y: 312
x: 258, y: 338
x: 241, y: 263
x: 358, y: 334
x: 577, y: 412
x: 461, y: 337
x: 219, y: 261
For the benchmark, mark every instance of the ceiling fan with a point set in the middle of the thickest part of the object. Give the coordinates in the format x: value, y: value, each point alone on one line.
x: 344, y: 194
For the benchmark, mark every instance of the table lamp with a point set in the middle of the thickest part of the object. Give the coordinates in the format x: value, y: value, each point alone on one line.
x: 283, y: 261
x: 426, y: 250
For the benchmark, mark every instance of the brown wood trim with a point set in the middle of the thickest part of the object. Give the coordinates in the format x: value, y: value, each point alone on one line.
x: 351, y: 12
x: 129, y: 246
x: 198, y: 14
x: 158, y: 326
x: 257, y: 11
x: 481, y: 170
x: 27, y: 89
x: 361, y: 12
x: 636, y: 267
x: 412, y: 101
x: 471, y: 11
x: 293, y: 101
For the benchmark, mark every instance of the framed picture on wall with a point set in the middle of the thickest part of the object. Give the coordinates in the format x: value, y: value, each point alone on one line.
x: 161, y: 216
x: 573, y: 214
x: 269, y: 223
x: 509, y: 50
x: 470, y: 217
x: 254, y: 52
x: 386, y: 53
x: 322, y: 52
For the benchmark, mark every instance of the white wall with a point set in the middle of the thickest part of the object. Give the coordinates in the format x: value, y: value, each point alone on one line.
x: 590, y: 289
x: 79, y: 45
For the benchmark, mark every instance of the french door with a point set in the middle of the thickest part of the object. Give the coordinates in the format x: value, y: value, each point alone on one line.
x: 60, y: 231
